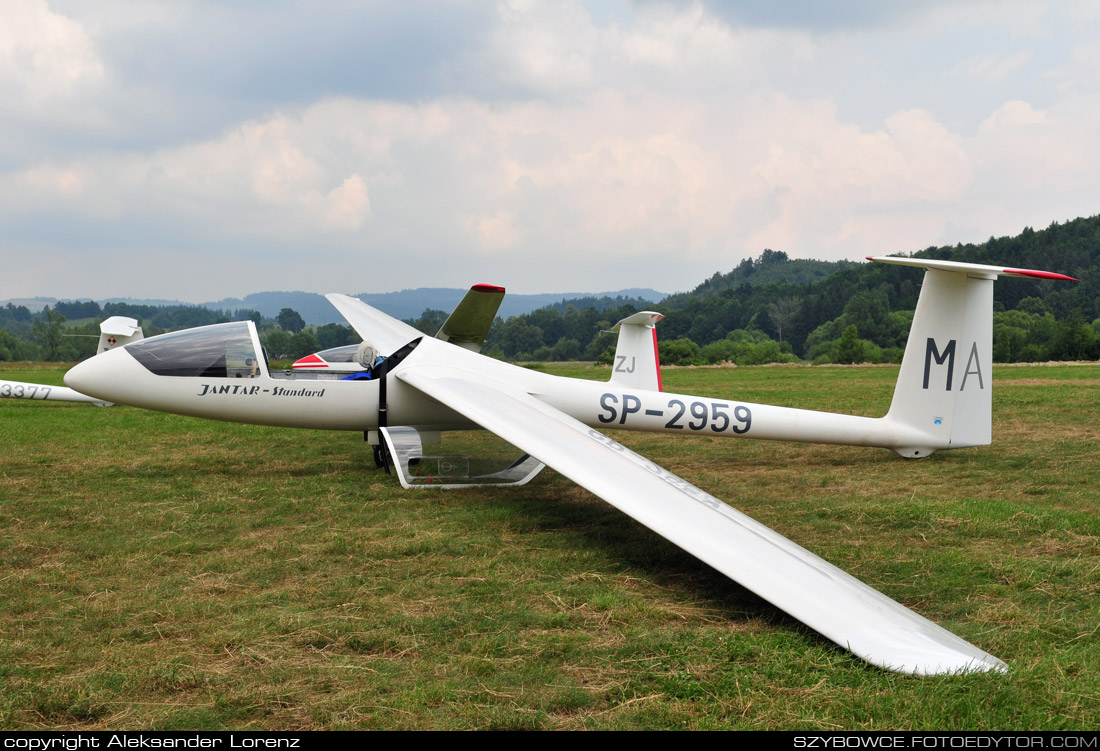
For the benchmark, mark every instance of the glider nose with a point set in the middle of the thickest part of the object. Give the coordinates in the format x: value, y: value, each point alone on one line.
x: 309, y: 362
x: 98, y: 376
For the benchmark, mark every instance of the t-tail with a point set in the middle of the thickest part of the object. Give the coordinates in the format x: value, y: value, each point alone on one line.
x: 637, y: 364
x: 117, y: 331
x: 945, y: 387
x: 114, y: 332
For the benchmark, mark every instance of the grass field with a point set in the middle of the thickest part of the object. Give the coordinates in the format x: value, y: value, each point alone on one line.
x: 164, y: 572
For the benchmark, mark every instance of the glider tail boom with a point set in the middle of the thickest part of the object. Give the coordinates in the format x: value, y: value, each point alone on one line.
x: 945, y: 388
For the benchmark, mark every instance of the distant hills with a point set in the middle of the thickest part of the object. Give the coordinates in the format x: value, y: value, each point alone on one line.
x: 410, y: 303
x: 406, y: 304
x: 772, y: 266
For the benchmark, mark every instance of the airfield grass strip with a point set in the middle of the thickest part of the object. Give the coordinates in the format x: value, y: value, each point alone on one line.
x: 158, y: 571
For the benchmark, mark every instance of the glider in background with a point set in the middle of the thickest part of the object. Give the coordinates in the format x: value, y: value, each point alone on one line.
x: 467, y: 327
x: 113, y: 332
x: 419, y: 386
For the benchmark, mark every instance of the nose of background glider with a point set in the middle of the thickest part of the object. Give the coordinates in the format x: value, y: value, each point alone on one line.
x: 309, y: 362
x: 99, y: 376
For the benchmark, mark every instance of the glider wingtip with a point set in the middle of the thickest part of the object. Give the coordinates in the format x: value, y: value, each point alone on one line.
x: 957, y: 665
x: 924, y: 650
x: 1040, y: 274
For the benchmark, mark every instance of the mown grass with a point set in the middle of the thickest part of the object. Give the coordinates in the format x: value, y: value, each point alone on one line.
x: 163, y: 572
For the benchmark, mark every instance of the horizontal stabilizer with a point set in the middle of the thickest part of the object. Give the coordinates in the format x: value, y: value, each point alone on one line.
x: 973, y: 269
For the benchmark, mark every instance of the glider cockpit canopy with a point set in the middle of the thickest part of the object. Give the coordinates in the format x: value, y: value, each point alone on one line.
x: 224, y: 350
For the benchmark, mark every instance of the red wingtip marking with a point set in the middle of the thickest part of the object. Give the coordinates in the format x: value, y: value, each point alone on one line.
x: 486, y: 288
x: 1041, y: 274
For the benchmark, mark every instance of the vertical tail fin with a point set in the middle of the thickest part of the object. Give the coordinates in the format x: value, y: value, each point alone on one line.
x: 116, y: 331
x: 945, y: 385
x: 637, y: 364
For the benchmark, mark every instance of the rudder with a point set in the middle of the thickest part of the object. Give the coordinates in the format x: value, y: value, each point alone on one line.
x: 945, y: 387
x: 637, y: 364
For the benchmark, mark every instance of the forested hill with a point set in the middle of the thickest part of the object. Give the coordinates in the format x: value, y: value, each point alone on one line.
x: 771, y: 266
x: 738, y: 316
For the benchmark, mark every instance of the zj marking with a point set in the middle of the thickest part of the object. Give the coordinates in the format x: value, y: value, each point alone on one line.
x: 715, y: 416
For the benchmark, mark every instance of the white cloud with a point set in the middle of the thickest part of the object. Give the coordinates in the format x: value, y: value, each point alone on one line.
x: 44, y: 56
x: 1081, y: 76
x: 1026, y: 150
x: 680, y: 39
x: 993, y: 67
x: 348, y: 206
x: 652, y: 144
x: 546, y: 45
x: 611, y: 175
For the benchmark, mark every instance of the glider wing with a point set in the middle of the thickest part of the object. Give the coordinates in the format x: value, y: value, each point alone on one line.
x: 825, y: 598
x: 388, y: 334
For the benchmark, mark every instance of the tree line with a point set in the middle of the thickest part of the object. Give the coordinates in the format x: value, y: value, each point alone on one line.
x: 768, y: 309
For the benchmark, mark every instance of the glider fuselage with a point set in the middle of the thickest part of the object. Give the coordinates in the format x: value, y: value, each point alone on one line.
x: 324, y: 401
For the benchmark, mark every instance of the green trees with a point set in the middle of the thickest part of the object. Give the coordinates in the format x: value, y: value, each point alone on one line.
x: 290, y: 320
x: 680, y: 351
x: 335, y: 335
x: 849, y: 348
x: 47, y: 332
x: 282, y: 345
x: 747, y: 348
x: 13, y: 348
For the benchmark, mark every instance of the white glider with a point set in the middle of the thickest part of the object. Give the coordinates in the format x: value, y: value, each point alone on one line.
x: 113, y: 332
x: 942, y: 400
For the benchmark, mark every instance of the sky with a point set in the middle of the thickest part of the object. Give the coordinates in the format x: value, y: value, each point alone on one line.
x: 196, y: 150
